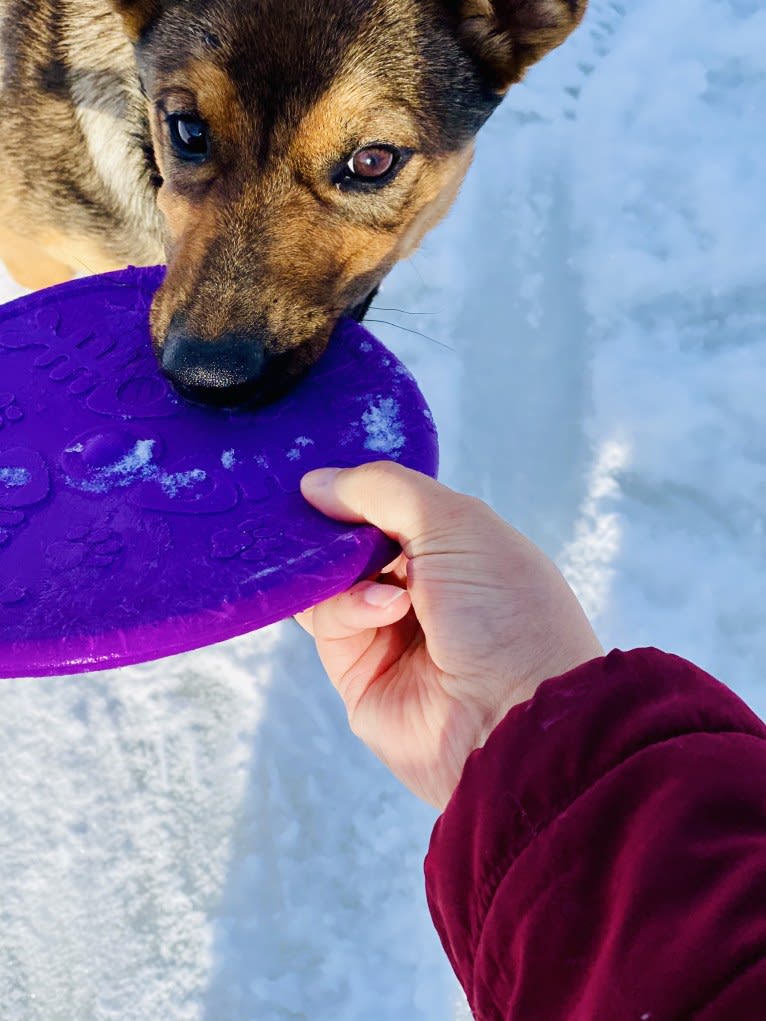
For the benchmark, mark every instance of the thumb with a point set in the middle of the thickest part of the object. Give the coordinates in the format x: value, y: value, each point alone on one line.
x: 408, y: 506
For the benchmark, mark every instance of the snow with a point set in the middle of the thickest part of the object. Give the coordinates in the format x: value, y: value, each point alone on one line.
x: 12, y: 478
x: 383, y: 427
x: 135, y: 466
x: 202, y: 839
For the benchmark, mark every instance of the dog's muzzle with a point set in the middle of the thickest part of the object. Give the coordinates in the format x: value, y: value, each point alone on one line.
x: 236, y: 368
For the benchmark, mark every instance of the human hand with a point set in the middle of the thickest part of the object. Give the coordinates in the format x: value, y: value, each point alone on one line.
x: 467, y: 623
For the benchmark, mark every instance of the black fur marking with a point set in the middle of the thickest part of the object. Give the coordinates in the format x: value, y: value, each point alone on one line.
x: 358, y: 312
x: 282, y: 62
x: 53, y: 78
x: 150, y: 161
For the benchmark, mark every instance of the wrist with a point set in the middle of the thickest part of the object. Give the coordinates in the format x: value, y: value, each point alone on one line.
x: 473, y: 725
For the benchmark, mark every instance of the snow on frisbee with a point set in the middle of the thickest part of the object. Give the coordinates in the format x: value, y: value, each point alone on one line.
x: 134, y: 525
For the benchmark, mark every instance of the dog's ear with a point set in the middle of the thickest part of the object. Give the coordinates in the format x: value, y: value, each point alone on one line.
x: 137, y: 15
x: 506, y: 37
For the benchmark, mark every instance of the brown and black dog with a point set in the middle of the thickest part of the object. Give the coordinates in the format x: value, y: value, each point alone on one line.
x: 280, y: 155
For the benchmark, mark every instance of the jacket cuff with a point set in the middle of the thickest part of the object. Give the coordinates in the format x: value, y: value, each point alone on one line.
x: 543, y: 756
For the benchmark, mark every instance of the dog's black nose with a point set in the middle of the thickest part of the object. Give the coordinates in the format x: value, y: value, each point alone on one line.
x: 225, y: 371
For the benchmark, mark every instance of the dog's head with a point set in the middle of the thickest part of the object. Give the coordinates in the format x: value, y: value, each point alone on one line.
x: 304, y: 147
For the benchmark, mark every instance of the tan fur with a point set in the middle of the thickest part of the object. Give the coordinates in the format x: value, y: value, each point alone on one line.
x: 355, y: 106
x: 216, y: 98
x: 193, y: 228
x: 30, y: 265
x: 443, y: 189
x: 137, y: 14
x: 45, y: 138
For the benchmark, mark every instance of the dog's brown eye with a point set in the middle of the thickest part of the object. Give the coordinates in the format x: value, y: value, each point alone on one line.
x: 189, y: 137
x: 372, y: 163
x: 371, y: 167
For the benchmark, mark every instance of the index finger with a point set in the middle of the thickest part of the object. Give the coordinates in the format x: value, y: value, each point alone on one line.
x: 405, y: 504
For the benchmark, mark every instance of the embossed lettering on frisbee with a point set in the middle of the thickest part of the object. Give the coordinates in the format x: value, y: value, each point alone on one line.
x: 133, y: 524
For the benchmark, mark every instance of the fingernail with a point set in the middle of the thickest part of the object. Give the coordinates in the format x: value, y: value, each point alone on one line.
x: 320, y: 478
x: 383, y: 596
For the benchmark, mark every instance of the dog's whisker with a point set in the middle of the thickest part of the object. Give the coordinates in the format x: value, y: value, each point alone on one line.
x: 417, y: 333
x: 84, y: 265
x: 412, y: 264
x: 401, y: 311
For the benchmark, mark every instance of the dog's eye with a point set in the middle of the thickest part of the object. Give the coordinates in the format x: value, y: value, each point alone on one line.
x: 370, y: 165
x: 189, y: 137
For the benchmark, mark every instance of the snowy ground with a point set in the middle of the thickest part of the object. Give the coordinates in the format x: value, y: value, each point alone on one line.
x: 201, y: 839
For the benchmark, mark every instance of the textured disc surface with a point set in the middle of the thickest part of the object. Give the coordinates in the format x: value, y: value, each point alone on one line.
x: 134, y: 525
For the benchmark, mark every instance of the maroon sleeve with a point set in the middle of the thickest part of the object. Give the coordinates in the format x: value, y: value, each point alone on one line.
x: 604, y: 855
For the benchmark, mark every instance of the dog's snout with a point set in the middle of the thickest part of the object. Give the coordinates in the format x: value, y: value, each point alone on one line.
x: 225, y: 371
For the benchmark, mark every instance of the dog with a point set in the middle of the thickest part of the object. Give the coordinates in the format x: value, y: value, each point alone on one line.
x: 279, y: 155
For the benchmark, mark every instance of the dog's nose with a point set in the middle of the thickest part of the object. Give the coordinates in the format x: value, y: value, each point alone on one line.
x: 225, y: 371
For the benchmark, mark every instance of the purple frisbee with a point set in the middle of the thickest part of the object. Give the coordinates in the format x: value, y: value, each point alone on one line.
x: 134, y: 525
